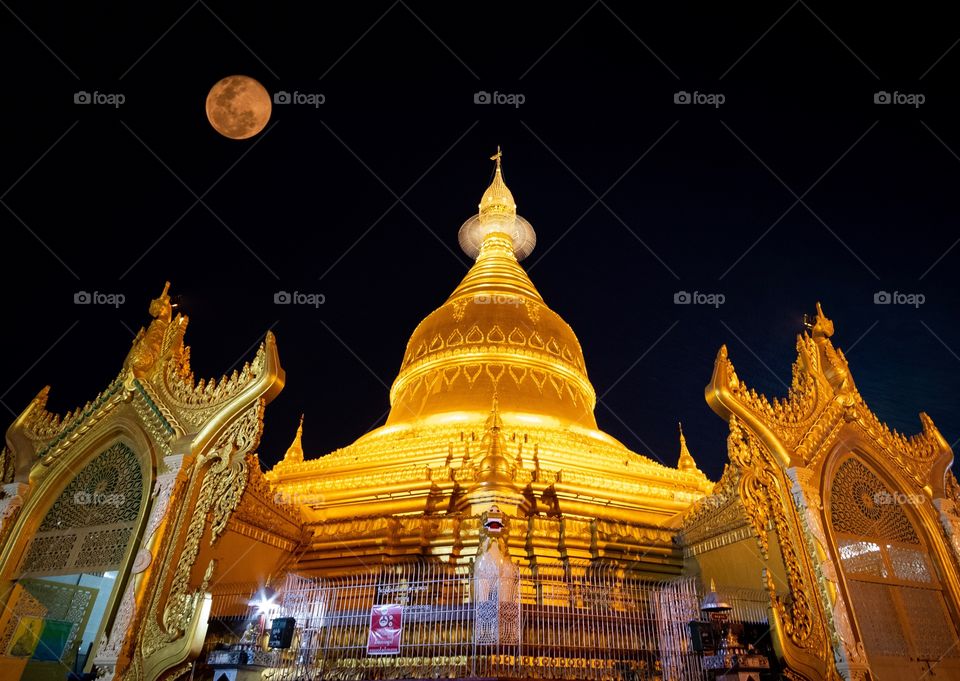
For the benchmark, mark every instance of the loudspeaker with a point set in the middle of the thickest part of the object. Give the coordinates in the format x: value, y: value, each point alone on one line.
x: 281, y: 632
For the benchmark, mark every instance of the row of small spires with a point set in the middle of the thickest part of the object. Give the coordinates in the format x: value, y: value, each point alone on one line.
x: 493, y: 426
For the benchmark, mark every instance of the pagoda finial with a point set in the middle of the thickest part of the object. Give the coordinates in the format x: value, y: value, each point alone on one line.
x: 686, y: 462
x: 496, y: 157
x: 494, y: 422
x: 295, y: 450
x: 497, y: 204
x: 497, y: 215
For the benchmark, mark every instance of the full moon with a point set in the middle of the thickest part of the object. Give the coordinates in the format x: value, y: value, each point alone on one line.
x: 238, y: 107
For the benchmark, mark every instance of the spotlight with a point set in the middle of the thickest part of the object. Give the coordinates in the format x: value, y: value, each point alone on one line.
x: 264, y: 600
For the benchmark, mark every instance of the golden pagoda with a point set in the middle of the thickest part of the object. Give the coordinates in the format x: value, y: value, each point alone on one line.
x: 492, y: 406
x: 488, y: 530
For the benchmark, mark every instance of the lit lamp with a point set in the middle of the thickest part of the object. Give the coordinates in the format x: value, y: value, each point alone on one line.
x: 716, y: 608
x: 264, y: 600
x: 730, y: 659
x: 714, y: 603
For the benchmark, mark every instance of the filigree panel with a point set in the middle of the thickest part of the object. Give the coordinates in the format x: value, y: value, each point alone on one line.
x: 877, y: 616
x: 25, y: 605
x: 89, y: 525
x: 863, y: 506
x: 862, y: 558
x: 929, y: 623
x: 105, y: 547
x: 909, y: 564
x: 49, y: 553
x: 51, y: 600
x: 107, y: 490
x: 763, y: 496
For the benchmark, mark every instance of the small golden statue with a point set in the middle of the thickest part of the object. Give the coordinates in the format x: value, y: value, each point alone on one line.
x: 148, y: 344
x: 250, y: 635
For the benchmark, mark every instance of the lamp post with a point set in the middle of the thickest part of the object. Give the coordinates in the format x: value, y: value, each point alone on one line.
x: 265, y: 601
x: 730, y: 659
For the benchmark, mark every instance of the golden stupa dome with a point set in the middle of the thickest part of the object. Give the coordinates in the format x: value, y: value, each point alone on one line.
x: 494, y: 335
x: 492, y: 407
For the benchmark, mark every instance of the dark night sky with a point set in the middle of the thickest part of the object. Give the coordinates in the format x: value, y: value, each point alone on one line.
x: 102, y: 195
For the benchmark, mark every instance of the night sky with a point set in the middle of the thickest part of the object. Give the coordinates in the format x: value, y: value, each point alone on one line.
x: 798, y: 187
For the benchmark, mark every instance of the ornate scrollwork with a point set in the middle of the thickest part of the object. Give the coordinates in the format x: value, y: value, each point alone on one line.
x: 224, y: 477
x: 796, y: 616
x: 915, y: 454
x: 821, y: 399
x: 226, y: 495
x: 75, y: 424
x: 196, y: 401
x: 762, y: 495
x: 790, y: 417
x: 222, y: 486
x: 753, y: 488
x: 848, y: 652
x: 952, y: 489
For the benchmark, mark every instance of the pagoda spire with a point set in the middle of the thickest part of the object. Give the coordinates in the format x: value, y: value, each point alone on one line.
x: 295, y: 450
x: 494, y: 474
x: 494, y: 422
x: 497, y: 215
x: 686, y: 462
x: 497, y: 204
x: 494, y: 468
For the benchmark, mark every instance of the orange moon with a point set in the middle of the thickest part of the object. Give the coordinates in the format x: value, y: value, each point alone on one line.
x: 238, y: 107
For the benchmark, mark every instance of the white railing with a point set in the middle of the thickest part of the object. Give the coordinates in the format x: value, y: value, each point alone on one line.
x: 574, y: 622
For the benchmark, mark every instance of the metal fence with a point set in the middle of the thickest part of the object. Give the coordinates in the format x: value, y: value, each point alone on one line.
x: 573, y: 622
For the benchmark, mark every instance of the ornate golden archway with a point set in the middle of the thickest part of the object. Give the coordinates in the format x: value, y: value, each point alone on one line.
x: 90, y: 524
x: 74, y: 560
x: 891, y: 574
x: 878, y: 541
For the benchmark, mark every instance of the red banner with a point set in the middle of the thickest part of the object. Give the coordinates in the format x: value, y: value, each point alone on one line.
x: 386, y: 625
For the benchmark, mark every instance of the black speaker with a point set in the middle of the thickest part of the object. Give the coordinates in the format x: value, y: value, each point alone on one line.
x: 281, y: 632
x: 701, y: 634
